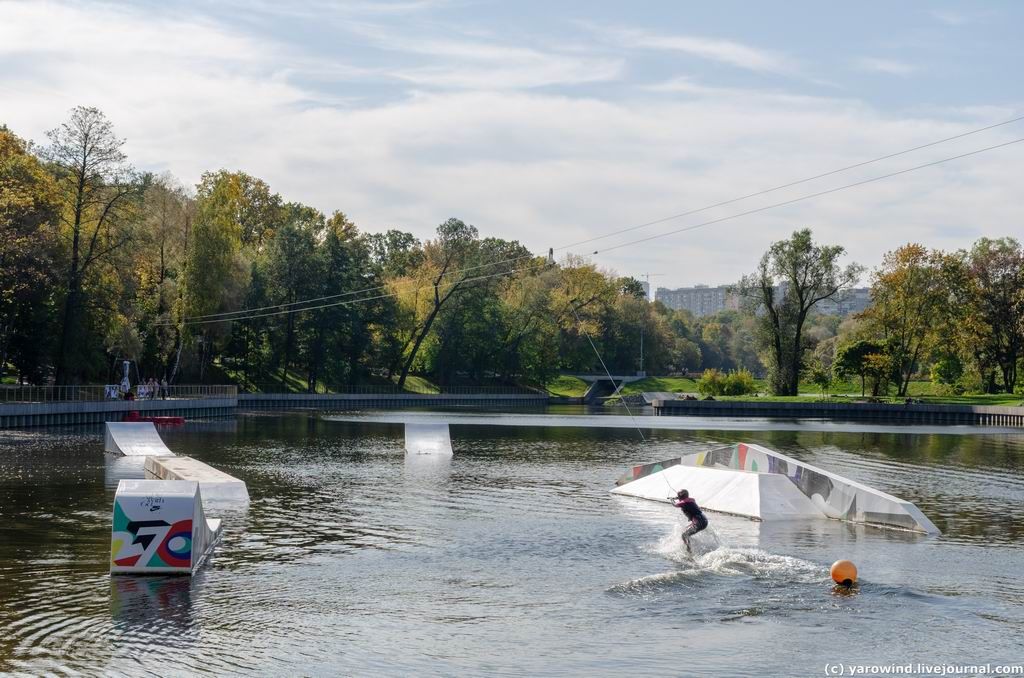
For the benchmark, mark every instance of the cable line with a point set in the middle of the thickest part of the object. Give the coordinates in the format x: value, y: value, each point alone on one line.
x: 808, y: 197
x: 243, y: 314
x: 792, y: 183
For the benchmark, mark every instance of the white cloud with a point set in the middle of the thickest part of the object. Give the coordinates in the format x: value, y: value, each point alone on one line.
x: 545, y: 168
x: 457, y: 62
x: 887, y: 66
x: 712, y: 49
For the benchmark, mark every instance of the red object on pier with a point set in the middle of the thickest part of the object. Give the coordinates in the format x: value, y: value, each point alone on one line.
x: 159, y: 421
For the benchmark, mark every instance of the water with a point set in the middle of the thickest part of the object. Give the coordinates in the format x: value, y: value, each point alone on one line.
x: 512, y: 558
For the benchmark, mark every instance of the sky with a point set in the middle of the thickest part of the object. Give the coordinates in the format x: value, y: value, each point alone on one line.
x: 552, y: 123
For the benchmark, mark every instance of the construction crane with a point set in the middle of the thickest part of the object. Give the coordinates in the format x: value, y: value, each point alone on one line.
x: 647, y: 278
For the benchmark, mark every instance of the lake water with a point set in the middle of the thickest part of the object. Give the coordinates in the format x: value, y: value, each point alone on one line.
x: 512, y: 558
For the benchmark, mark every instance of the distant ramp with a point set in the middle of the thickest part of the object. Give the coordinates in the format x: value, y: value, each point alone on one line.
x: 428, y: 439
x: 134, y: 439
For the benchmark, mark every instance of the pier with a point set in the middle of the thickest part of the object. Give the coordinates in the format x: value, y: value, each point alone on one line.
x: 35, y: 406
x: 883, y: 413
x: 32, y: 406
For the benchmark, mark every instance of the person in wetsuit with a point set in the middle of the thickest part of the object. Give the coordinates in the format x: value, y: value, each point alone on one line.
x: 698, y: 521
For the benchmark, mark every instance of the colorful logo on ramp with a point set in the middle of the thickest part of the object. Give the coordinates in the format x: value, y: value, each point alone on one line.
x: 146, y: 541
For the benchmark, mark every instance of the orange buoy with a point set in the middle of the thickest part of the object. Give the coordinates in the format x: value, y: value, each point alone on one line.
x: 844, y: 572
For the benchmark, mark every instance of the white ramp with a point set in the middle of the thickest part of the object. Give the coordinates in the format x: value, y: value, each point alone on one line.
x: 159, y: 528
x: 214, y: 484
x: 134, y: 439
x: 428, y: 439
x: 753, y: 495
x: 782, y: 487
x: 837, y: 497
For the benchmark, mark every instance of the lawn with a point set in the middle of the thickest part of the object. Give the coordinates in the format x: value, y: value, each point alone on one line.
x: 1001, y: 399
x: 839, y: 392
x: 673, y: 384
x: 295, y: 382
x: 414, y: 384
x: 566, y: 386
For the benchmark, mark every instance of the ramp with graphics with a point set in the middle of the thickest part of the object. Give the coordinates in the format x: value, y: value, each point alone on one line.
x: 134, y: 439
x: 753, y: 495
x: 214, y: 484
x: 428, y: 439
x: 159, y: 527
x: 754, y: 481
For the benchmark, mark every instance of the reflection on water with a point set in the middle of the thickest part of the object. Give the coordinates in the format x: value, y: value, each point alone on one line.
x: 510, y: 557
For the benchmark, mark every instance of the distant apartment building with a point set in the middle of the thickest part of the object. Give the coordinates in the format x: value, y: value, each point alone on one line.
x: 702, y: 300
x: 647, y: 289
x: 851, y: 301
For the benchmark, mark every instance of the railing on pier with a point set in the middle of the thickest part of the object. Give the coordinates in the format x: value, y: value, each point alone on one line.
x: 99, y: 393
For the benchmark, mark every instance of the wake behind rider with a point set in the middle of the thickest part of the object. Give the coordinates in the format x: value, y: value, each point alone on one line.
x: 698, y: 521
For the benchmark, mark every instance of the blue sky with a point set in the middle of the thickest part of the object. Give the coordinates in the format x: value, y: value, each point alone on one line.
x: 553, y: 122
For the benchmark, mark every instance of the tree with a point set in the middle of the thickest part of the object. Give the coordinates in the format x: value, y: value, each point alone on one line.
x: 995, y: 299
x: 447, y: 261
x: 909, y: 297
x: 395, y: 253
x: 632, y: 287
x: 217, y: 270
x: 852, y: 359
x: 946, y: 371
x: 158, y: 252
x: 291, y: 263
x: 794, y: 275
x: 880, y: 367
x: 99, y: 192
x: 821, y: 378
x: 250, y: 204
x: 29, y: 206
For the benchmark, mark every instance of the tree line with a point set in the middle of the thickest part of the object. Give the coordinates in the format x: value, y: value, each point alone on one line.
x: 229, y: 281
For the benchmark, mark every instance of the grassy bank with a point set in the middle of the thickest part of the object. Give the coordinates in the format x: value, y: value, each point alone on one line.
x: 566, y: 386
x: 924, y: 391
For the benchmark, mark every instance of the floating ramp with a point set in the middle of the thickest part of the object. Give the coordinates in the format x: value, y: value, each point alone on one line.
x: 134, y: 439
x: 753, y: 481
x: 159, y: 527
x: 214, y: 484
x: 159, y: 524
x: 428, y: 439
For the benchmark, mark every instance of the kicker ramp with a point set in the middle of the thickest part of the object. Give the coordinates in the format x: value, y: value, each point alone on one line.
x: 753, y: 495
x: 159, y: 527
x: 428, y: 439
x: 134, y: 439
x: 760, y: 483
x: 214, y: 484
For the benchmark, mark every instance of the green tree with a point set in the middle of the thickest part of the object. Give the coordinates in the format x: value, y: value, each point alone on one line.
x: 909, y: 295
x: 995, y: 301
x: 947, y: 371
x: 99, y: 193
x: 29, y: 205
x: 822, y: 378
x: 793, y: 276
x: 448, y: 264
x: 217, y: 271
x: 852, y: 359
